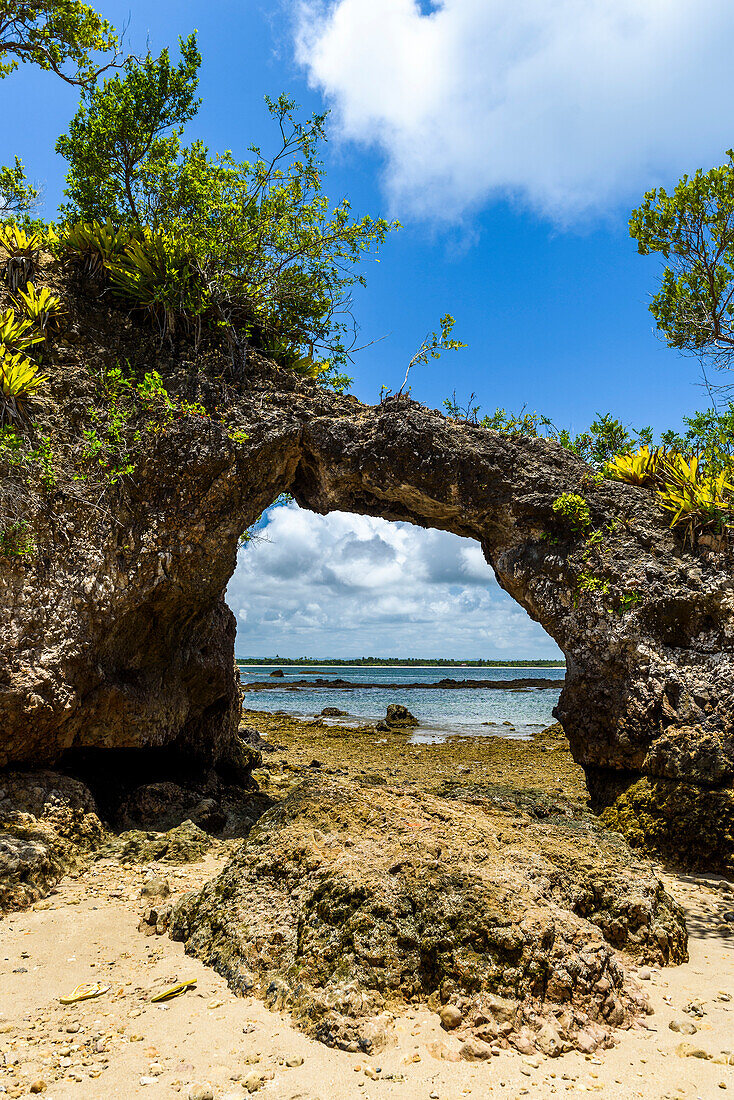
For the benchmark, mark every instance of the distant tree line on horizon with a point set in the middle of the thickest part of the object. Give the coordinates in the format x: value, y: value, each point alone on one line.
x: 430, y: 661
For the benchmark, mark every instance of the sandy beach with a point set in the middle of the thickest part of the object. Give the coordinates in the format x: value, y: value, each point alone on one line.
x: 210, y: 1043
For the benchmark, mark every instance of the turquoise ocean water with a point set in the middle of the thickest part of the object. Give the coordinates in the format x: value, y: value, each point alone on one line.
x: 441, y: 712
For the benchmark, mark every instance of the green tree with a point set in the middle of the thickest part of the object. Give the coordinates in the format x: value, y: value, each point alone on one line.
x: 693, y: 229
x: 61, y: 36
x: 125, y: 133
x: 18, y: 198
x: 709, y: 434
x: 272, y: 262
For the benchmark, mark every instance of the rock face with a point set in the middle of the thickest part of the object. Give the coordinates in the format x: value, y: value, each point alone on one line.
x: 116, y: 644
x: 49, y: 825
x: 346, y: 902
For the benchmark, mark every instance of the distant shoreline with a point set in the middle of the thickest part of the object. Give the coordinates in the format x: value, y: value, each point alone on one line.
x: 275, y: 662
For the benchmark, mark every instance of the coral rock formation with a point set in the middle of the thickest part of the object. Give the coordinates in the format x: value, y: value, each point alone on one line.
x: 116, y: 636
x: 346, y: 902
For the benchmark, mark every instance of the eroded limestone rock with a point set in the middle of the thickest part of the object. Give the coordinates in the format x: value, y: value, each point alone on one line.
x: 115, y: 637
x: 48, y: 827
x: 346, y: 902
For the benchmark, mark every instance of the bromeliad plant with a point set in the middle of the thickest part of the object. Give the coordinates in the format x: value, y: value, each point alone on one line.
x: 19, y: 382
x: 697, y: 499
x: 93, y: 244
x: 157, y: 273
x: 700, y: 496
x: 41, y: 307
x: 641, y: 467
x: 21, y: 250
x: 17, y: 335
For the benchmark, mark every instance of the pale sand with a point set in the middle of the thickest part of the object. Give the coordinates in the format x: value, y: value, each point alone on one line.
x: 125, y: 1047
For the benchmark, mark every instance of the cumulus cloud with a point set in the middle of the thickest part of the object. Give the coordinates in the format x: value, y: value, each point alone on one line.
x: 343, y: 586
x: 568, y: 105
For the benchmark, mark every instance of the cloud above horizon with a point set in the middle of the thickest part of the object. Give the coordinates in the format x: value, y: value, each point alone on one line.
x: 345, y: 586
x: 569, y: 106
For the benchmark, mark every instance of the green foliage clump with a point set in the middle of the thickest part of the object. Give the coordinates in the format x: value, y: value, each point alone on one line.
x: 128, y: 410
x: 18, y: 198
x: 250, y: 248
x: 16, y: 540
x: 693, y: 229
x: 60, y: 36
x: 573, y: 510
x: 590, y: 582
x: 606, y: 436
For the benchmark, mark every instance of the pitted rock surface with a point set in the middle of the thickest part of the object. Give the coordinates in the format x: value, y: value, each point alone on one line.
x: 48, y: 827
x: 117, y: 635
x: 346, y: 902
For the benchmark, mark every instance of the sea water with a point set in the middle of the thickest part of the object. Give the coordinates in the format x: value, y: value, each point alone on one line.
x: 441, y: 712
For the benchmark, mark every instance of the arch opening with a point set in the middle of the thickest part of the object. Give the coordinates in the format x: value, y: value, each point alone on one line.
x: 369, y: 606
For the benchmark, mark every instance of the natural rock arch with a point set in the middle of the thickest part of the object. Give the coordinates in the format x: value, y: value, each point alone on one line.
x: 119, y: 637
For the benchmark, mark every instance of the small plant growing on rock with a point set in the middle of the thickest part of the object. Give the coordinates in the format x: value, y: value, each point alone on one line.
x: 641, y: 467
x: 16, y: 540
x: 19, y: 381
x: 572, y: 510
x: 433, y: 346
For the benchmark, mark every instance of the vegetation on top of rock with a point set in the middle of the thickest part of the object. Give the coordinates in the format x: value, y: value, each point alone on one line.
x: 249, y: 247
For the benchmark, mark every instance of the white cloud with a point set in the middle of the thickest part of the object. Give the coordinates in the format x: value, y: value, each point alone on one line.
x: 343, y: 586
x: 568, y: 105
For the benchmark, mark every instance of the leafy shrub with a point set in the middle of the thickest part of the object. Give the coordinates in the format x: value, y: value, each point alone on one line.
x: 250, y: 247
x: 573, y: 510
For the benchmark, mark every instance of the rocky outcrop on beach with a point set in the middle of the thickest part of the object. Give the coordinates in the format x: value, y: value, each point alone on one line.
x: 116, y: 644
x: 347, y: 903
x: 49, y: 826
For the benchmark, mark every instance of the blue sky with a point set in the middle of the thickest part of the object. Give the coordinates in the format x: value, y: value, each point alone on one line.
x: 510, y: 138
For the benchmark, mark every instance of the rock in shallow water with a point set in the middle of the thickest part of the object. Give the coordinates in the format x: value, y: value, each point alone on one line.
x: 398, y: 715
x: 345, y: 903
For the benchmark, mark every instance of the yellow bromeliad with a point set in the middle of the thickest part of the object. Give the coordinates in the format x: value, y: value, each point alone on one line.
x: 15, y: 335
x: 638, y: 468
x: 695, y: 498
x: 41, y: 307
x: 16, y: 242
x: 19, y: 381
x: 95, y: 243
